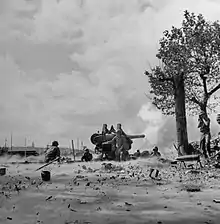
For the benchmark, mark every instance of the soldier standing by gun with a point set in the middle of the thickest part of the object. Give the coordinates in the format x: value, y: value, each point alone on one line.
x: 123, y: 133
x: 104, y: 132
x: 105, y: 129
x: 118, y: 143
x: 112, y: 130
x: 127, y: 143
x: 204, y: 125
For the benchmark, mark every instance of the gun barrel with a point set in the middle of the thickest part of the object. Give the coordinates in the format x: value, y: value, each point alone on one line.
x: 98, y: 138
x: 135, y: 136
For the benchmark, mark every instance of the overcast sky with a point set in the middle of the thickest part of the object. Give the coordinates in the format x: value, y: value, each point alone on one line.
x: 68, y: 66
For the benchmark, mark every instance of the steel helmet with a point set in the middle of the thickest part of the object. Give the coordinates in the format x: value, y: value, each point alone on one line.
x: 55, y: 143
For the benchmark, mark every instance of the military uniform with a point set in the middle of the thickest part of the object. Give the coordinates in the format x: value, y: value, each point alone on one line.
x: 128, y: 140
x: 137, y: 154
x: 112, y: 130
x: 118, y: 145
x: 105, y: 129
x: 204, y: 123
x: 87, y: 156
x: 52, y: 153
x: 156, y: 154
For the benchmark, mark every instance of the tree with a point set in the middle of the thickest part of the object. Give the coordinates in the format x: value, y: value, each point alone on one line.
x: 190, y: 53
x: 168, y: 88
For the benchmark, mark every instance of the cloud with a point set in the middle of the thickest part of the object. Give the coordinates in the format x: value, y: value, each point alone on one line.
x: 72, y: 65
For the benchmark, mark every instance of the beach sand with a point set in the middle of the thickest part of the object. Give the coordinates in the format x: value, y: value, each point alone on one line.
x: 94, y: 193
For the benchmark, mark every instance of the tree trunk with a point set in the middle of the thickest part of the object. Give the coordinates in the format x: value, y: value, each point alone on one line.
x: 203, y: 108
x: 180, y: 111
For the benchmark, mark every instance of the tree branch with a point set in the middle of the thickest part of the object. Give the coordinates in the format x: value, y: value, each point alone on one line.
x: 205, y: 85
x: 214, y: 90
x: 193, y: 99
x: 204, y: 76
x: 161, y: 79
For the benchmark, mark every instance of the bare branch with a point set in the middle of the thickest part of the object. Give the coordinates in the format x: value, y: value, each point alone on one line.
x: 193, y: 99
x: 204, y: 76
x: 151, y: 68
x: 147, y: 96
x: 204, y: 85
x: 214, y: 90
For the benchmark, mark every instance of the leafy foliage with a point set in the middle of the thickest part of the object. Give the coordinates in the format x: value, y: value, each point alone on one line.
x: 193, y: 49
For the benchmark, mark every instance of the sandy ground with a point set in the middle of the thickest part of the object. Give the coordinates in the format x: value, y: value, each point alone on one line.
x: 90, y: 193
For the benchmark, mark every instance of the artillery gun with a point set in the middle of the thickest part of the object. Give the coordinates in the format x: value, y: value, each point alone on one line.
x: 99, y: 139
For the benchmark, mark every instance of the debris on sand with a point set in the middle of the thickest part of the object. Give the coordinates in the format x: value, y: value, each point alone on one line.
x: 81, y: 202
x: 107, y: 166
x: 129, y: 204
x: 99, y: 209
x: 84, y: 167
x: 216, y: 201
x: 192, y: 188
x: 80, y: 176
x: 33, y: 182
x: 88, y: 184
x: 111, y: 167
x: 48, y: 198
x: 89, y: 169
x: 126, y: 183
x: 71, y: 209
x: 192, y: 171
x: 217, y: 165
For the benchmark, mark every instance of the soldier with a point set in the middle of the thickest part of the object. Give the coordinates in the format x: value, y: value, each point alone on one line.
x: 105, y: 129
x: 120, y: 128
x: 52, y: 152
x: 204, y: 125
x: 104, y: 132
x: 137, y: 153
x: 118, y: 143
x: 87, y: 156
x: 124, y: 134
x: 216, y: 143
x: 157, y: 155
x: 125, y: 156
x: 112, y: 130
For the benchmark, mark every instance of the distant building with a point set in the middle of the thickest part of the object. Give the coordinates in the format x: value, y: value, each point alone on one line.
x: 23, y: 151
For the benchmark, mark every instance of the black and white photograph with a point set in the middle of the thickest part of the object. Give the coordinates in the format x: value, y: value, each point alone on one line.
x: 109, y: 111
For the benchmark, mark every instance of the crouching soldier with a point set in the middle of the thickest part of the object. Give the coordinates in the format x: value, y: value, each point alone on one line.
x: 155, y: 154
x: 87, y: 156
x: 137, y: 153
x: 52, y: 152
